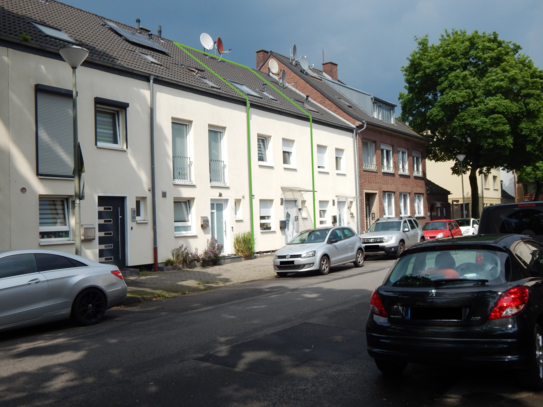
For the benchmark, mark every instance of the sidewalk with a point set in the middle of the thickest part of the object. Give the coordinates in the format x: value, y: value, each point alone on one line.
x: 150, y: 285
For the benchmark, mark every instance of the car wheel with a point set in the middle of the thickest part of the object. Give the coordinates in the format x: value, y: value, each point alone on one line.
x: 324, y: 265
x: 282, y: 274
x: 400, y: 249
x: 532, y: 377
x: 359, y: 261
x: 89, y: 307
x: 422, y: 239
x: 390, y: 368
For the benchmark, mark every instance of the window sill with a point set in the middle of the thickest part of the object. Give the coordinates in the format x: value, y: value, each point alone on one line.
x: 387, y: 172
x: 219, y: 185
x: 263, y: 164
x: 57, y: 178
x: 238, y: 219
x: 48, y: 243
x: 404, y: 173
x: 267, y: 231
x: 417, y: 175
x: 187, y: 234
x: 111, y: 147
x: 341, y: 173
x: 142, y: 221
x: 179, y: 182
x: 289, y: 167
x: 323, y: 171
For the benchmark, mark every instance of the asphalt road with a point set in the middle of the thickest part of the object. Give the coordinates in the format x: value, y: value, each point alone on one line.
x: 296, y: 341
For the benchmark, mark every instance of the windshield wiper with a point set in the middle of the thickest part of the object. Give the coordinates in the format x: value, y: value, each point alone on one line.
x: 460, y: 281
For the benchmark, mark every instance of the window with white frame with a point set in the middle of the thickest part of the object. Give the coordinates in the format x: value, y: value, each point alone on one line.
x: 340, y: 165
x: 495, y: 182
x: 419, y: 209
x: 323, y: 212
x: 110, y: 123
x: 386, y: 158
x: 321, y: 158
x: 237, y: 210
x: 402, y: 161
x: 417, y: 164
x: 264, y: 155
x: 141, y: 208
x: 404, y: 204
x: 182, y: 211
x: 217, y: 164
x: 266, y: 214
x: 181, y: 157
x: 383, y: 112
x: 368, y: 155
x: 288, y: 154
x: 54, y: 219
x: 388, y: 204
x: 485, y: 181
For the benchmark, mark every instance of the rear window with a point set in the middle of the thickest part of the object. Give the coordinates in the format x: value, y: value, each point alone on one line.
x: 435, y: 226
x: 523, y: 220
x: 393, y: 226
x: 450, y: 267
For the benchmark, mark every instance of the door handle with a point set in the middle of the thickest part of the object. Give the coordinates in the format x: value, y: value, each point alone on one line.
x: 34, y: 281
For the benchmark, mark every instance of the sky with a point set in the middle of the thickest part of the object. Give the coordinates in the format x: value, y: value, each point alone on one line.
x: 369, y: 40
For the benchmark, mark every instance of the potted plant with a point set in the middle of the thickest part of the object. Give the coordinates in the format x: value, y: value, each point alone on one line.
x: 212, y: 253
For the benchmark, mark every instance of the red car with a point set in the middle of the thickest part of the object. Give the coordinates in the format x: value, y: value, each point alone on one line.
x: 438, y: 229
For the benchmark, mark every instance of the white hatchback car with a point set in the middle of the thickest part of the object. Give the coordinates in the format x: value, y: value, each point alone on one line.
x: 38, y: 286
x: 468, y: 226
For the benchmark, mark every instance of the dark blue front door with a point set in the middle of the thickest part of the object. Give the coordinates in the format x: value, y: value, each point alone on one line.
x: 111, y: 231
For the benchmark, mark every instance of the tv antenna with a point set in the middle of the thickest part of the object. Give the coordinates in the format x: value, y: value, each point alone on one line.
x: 206, y: 41
x: 274, y: 67
x: 303, y: 63
x: 283, y: 78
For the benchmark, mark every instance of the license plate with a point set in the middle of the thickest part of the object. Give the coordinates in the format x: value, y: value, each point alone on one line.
x: 435, y: 314
x: 286, y: 263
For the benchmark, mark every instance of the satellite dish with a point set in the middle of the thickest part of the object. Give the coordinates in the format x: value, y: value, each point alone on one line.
x: 219, y: 45
x: 206, y: 41
x: 294, y: 53
x: 274, y: 67
x: 303, y: 63
x: 283, y: 77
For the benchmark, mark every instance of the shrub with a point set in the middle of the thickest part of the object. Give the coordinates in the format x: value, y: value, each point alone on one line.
x: 170, y: 262
x: 243, y: 244
x: 212, y: 252
x: 183, y: 256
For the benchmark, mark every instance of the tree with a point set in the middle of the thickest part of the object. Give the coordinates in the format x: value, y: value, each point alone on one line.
x: 532, y: 174
x: 476, y: 95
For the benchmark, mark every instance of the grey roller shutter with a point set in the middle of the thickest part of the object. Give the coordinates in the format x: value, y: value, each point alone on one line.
x: 55, y: 135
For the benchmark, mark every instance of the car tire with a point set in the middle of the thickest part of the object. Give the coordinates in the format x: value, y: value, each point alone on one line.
x: 359, y: 261
x: 532, y: 378
x: 89, y: 307
x: 324, y: 265
x: 400, y: 249
x: 390, y: 368
x: 280, y: 275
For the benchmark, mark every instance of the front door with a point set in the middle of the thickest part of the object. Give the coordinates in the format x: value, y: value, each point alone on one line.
x: 292, y: 219
x: 218, y: 222
x: 112, y: 231
x: 341, y: 219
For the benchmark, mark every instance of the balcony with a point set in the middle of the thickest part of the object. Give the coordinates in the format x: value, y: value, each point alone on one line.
x: 217, y: 174
x: 181, y: 170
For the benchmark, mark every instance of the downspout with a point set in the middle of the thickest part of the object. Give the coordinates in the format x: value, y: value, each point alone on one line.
x: 153, y: 175
x: 357, y: 177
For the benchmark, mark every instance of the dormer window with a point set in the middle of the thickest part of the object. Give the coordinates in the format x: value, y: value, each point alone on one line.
x: 55, y: 33
x: 383, y: 112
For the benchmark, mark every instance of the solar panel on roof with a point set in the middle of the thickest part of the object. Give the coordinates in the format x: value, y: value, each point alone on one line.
x: 135, y: 37
x: 55, y: 33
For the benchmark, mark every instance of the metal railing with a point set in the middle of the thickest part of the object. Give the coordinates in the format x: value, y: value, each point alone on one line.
x: 181, y: 169
x: 369, y: 166
x: 417, y: 172
x: 387, y: 168
x: 216, y: 172
x: 403, y: 170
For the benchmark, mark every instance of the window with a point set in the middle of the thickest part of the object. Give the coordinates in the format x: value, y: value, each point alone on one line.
x: 368, y: 155
x: 245, y: 89
x: 110, y: 123
x: 288, y: 153
x: 182, y: 217
x: 237, y: 210
x: 141, y: 208
x: 54, y: 217
x: 17, y: 265
x: 417, y: 164
x: 494, y: 182
x: 386, y: 158
x: 404, y: 204
x: 46, y: 262
x: 402, y: 161
x: 321, y: 158
x: 266, y: 212
x: 383, y: 112
x: 55, y: 33
x: 182, y: 164
x: 323, y: 212
x: 264, y: 153
x: 419, y: 209
x: 388, y: 204
x: 339, y: 161
x: 485, y: 181
x: 217, y: 165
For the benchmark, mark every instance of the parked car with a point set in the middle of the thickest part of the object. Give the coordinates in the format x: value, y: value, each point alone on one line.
x: 468, y: 226
x: 38, y: 286
x: 319, y: 249
x: 525, y: 218
x: 391, y: 236
x: 439, y: 229
x: 467, y: 301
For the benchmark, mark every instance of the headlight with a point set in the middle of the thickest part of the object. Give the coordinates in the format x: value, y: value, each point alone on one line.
x: 387, y: 239
x: 440, y: 235
x: 467, y: 232
x: 308, y: 254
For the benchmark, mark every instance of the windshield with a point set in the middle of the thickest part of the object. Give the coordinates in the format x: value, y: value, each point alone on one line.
x: 435, y: 226
x: 463, y: 222
x: 524, y: 221
x: 450, y: 267
x: 310, y: 236
x: 385, y: 227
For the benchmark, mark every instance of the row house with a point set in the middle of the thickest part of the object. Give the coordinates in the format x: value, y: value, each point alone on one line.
x: 390, y: 157
x: 179, y: 146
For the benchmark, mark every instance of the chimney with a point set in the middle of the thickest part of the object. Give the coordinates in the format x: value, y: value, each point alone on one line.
x: 138, y: 23
x: 330, y: 69
x: 159, y: 31
x: 261, y: 56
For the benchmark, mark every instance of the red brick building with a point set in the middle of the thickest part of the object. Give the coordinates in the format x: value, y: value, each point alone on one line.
x: 391, y: 156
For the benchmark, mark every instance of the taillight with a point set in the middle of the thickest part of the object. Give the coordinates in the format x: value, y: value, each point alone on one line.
x: 117, y: 273
x: 510, y: 303
x: 377, y: 305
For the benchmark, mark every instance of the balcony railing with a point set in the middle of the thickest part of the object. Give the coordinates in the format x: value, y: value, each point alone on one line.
x: 403, y: 170
x: 216, y: 172
x: 181, y: 169
x: 387, y: 168
x: 417, y: 173
x: 369, y: 166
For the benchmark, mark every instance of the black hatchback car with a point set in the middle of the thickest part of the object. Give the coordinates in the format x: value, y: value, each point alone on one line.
x: 469, y: 301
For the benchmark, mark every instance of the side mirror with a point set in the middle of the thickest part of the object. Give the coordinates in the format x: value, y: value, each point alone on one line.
x: 332, y: 241
x: 406, y: 230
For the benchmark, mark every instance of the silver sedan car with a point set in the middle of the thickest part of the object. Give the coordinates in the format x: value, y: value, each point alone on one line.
x: 38, y: 286
x: 319, y: 249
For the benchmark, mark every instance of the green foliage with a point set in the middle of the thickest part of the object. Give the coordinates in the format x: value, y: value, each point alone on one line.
x: 170, y: 262
x: 474, y: 94
x: 184, y: 257
x: 25, y: 37
x: 532, y: 174
x: 243, y: 244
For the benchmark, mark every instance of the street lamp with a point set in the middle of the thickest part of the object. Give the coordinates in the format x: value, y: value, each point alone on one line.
x: 74, y: 56
x: 461, y: 158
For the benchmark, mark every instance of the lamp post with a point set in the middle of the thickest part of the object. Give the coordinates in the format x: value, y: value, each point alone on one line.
x: 461, y: 158
x: 74, y: 56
